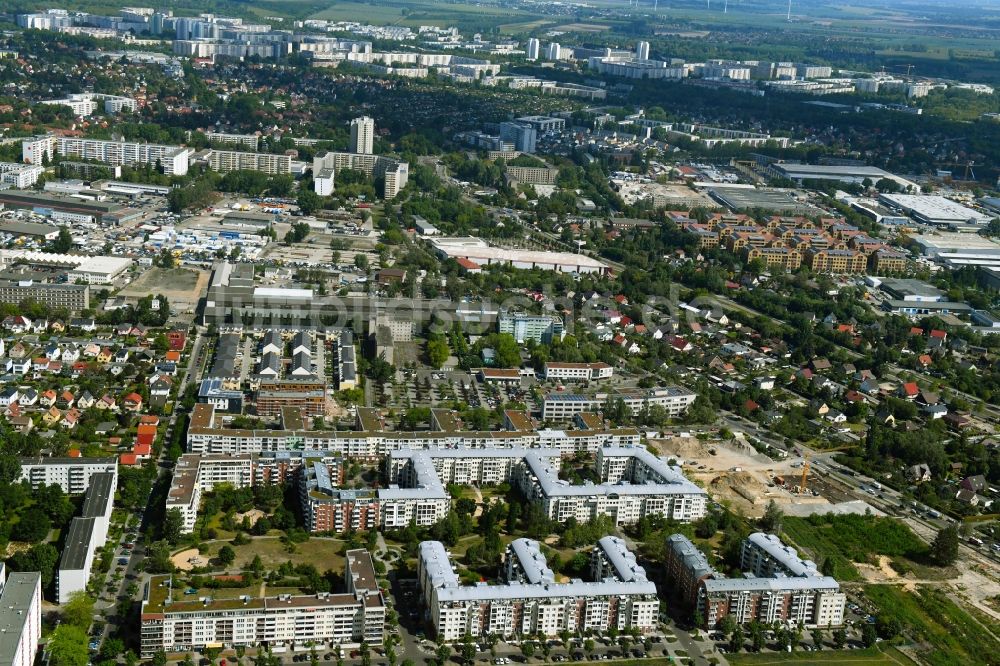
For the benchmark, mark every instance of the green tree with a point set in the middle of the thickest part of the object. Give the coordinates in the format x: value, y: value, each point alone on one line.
x: 78, y: 610
x: 437, y: 352
x: 309, y: 202
x: 817, y: 638
x: 62, y: 243
x: 736, y: 640
x: 173, y: 524
x: 771, y: 521
x: 840, y: 638
x: 468, y: 649
x: 527, y: 649
x: 226, y: 555
x: 443, y: 652
x: 68, y: 646
x: 868, y: 635
x: 944, y: 549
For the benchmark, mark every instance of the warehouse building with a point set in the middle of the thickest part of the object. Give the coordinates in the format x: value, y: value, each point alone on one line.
x: 854, y: 175
x: 935, y: 210
x: 481, y: 252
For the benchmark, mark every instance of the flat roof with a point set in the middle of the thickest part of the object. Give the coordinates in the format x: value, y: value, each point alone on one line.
x: 16, y: 610
x: 77, y: 544
x: 359, y: 564
x: 475, y: 248
x: 28, y: 228
x: 100, y: 495
x: 935, y: 209
x: 747, y: 198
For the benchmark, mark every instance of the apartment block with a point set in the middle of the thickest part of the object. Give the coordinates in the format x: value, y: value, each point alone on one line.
x: 363, y: 135
x: 836, y: 261
x: 195, y: 474
x: 207, y: 433
x: 686, y: 567
x: 172, y: 159
x: 326, y: 164
x: 634, y: 483
x: 87, y: 533
x: 564, y: 406
x: 886, y: 262
x: 777, y: 586
x: 578, y: 372
x: 74, y: 297
x: 327, y: 508
x: 523, y: 326
x: 224, y: 161
x: 20, y: 617
x: 532, y: 175
x: 308, y: 396
x: 172, y: 623
x: 776, y: 257
x: 251, y: 141
x: 73, y: 475
x: 21, y: 176
x: 528, y: 601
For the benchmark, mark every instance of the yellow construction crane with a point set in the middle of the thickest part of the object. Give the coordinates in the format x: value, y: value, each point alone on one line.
x: 807, y: 455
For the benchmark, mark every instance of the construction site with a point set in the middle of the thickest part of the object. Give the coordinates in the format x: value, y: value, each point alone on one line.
x: 733, y: 471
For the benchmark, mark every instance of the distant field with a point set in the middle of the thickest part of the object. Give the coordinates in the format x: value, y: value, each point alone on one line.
x: 583, y: 27
x: 469, y: 17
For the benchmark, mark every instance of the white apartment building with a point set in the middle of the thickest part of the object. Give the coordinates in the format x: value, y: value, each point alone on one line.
x: 20, y: 617
x: 207, y: 434
x: 174, y: 623
x: 73, y: 475
x: 578, y: 372
x: 21, y: 176
x: 195, y: 474
x: 534, y: 46
x: 224, y: 161
x: 173, y: 159
x: 325, y: 165
x: 563, y: 406
x: 77, y: 558
x: 248, y: 140
x: 84, y: 104
x: 634, y: 483
x: 778, y: 587
x: 529, y: 602
x: 363, y: 135
x: 86, y: 534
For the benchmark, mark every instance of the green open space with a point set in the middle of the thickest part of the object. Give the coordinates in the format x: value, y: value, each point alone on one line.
x: 322, y: 552
x: 945, y: 633
x: 842, y: 540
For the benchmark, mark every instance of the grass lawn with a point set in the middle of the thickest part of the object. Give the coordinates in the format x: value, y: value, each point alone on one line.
x: 949, y: 634
x: 848, y: 539
x: 324, y: 553
x: 874, y: 656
